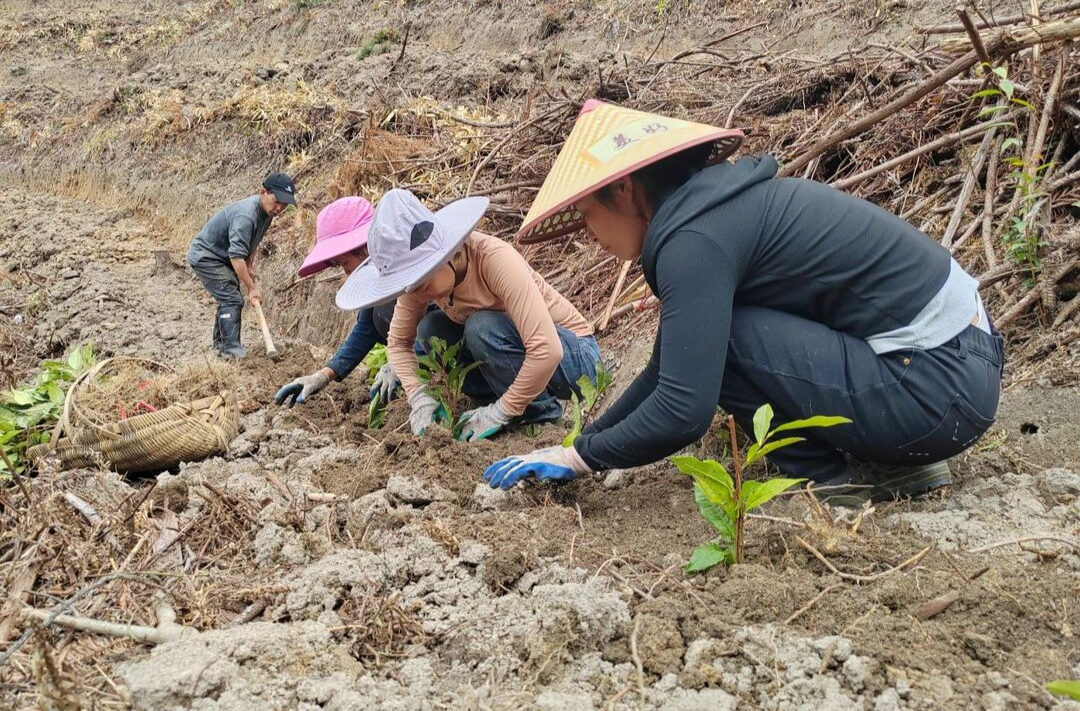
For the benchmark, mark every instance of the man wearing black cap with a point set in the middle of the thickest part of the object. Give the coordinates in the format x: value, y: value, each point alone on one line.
x: 222, y: 255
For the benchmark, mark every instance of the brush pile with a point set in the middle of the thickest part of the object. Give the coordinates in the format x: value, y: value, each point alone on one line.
x: 973, y: 136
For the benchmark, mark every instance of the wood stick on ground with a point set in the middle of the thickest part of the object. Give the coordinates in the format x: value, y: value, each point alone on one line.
x: 976, y: 40
x: 989, y: 194
x: 970, y: 180
x: 614, y: 295
x: 958, y: 67
x: 18, y: 590
x: 1032, y: 296
x: 167, y: 629
x: 1035, y: 157
x: 813, y: 601
x: 862, y: 578
x: 1027, y: 539
x: 84, y: 508
x: 637, y: 657
x: 936, y: 606
x: 740, y: 521
x: 249, y: 613
x: 646, y: 303
x: 1020, y: 38
x: 921, y: 150
x: 997, y: 22
x: 1066, y: 313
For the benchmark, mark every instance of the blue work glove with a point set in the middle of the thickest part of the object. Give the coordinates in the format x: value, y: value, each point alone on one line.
x: 556, y: 463
x: 301, y: 389
x: 483, y: 422
x: 385, y: 385
x: 425, y: 410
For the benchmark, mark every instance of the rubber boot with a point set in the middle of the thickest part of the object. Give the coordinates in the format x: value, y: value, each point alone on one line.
x: 219, y: 344
x: 863, y: 481
x: 228, y: 318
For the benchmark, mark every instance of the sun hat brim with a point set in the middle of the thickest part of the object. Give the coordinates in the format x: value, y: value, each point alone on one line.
x: 332, y: 247
x: 606, y: 143
x: 367, y: 287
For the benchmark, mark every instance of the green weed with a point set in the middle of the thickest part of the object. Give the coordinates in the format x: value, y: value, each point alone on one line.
x: 28, y: 413
x: 724, y: 501
x: 379, y: 43
x: 374, y: 361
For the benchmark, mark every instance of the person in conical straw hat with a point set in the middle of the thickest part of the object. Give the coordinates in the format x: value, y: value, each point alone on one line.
x: 531, y: 344
x: 772, y: 290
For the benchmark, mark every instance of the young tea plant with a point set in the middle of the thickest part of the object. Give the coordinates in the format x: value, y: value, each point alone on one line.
x: 374, y: 361
x: 27, y: 413
x: 724, y: 501
x: 590, y: 394
x: 1065, y: 687
x: 1022, y: 235
x: 444, y: 376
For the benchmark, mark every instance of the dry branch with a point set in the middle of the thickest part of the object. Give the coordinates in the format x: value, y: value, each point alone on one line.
x: 998, y: 22
x: 1017, y: 39
x: 167, y: 629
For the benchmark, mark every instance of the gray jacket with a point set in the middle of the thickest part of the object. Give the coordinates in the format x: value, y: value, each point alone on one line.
x: 234, y: 232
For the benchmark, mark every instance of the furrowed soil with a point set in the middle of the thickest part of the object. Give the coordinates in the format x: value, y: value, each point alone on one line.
x: 324, y: 564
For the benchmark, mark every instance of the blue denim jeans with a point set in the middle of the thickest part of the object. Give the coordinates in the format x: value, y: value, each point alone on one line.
x: 491, y: 338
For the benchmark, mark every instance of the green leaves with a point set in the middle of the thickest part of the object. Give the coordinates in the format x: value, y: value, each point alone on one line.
x: 707, y: 555
x: 445, y: 377
x: 590, y: 394
x: 816, y: 421
x: 28, y: 412
x: 756, y: 493
x: 721, y: 520
x: 376, y: 415
x: 375, y: 359
x: 1064, y: 687
x: 762, y: 420
x: 710, y: 475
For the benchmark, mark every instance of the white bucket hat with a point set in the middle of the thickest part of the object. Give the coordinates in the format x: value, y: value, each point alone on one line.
x: 407, y: 242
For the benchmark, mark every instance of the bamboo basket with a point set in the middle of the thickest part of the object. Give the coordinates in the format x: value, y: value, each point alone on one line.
x: 153, y: 441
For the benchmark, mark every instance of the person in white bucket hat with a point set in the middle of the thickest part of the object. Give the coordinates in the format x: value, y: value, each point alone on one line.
x: 532, y: 344
x: 341, y: 235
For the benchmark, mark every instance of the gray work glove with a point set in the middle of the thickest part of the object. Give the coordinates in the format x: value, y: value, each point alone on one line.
x: 385, y: 385
x: 425, y: 410
x: 483, y: 422
x: 301, y: 389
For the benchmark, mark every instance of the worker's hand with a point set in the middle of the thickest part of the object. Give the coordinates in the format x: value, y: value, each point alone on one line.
x: 254, y: 294
x: 385, y: 385
x: 425, y: 410
x: 301, y: 389
x: 483, y: 422
x: 549, y: 464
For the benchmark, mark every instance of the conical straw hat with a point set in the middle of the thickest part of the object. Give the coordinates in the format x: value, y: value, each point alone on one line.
x: 606, y: 143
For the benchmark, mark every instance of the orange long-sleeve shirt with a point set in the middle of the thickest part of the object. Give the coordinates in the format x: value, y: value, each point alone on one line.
x: 497, y: 278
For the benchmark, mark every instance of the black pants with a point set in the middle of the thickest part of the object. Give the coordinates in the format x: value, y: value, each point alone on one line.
x: 909, y: 407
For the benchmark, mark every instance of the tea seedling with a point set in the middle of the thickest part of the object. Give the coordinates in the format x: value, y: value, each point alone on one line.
x: 374, y: 361
x: 27, y: 413
x: 590, y: 393
x: 724, y: 501
x: 440, y: 370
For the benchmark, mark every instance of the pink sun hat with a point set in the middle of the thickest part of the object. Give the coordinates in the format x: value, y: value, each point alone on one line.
x: 341, y: 227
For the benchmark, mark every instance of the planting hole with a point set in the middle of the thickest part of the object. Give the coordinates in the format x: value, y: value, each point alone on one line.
x: 1029, y: 428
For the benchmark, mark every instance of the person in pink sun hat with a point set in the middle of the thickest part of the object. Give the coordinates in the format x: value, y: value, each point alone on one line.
x: 341, y: 236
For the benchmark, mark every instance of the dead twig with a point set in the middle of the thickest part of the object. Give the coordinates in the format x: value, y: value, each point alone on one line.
x: 930, y: 608
x: 813, y: 601
x: 167, y: 629
x: 1027, y: 539
x: 862, y: 578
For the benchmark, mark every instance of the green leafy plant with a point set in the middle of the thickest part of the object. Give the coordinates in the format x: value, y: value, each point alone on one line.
x: 379, y: 43
x: 1064, y: 687
x: 1022, y: 234
x: 440, y: 370
x: 374, y: 361
x: 590, y: 393
x: 724, y: 501
x: 28, y: 413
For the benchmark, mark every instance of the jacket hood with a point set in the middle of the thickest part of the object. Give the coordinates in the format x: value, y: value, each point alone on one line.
x: 713, y: 186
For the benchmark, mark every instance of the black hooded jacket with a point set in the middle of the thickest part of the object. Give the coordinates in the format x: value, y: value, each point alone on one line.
x: 736, y: 234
